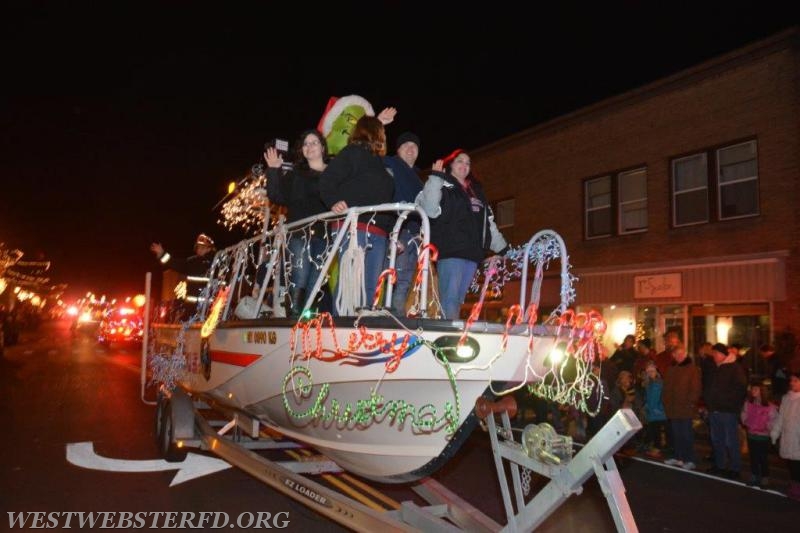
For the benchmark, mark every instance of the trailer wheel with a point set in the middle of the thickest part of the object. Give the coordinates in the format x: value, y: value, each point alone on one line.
x: 166, y: 433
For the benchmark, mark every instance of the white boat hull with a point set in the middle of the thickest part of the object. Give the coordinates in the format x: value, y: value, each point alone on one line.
x: 390, y: 426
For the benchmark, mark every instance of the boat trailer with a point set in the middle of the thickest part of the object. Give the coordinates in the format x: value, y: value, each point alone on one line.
x: 181, y: 424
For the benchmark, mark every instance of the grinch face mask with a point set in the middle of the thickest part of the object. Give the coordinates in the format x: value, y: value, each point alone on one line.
x: 342, y: 128
x: 339, y: 120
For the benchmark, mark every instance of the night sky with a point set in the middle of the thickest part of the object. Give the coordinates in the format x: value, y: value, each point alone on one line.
x: 122, y: 123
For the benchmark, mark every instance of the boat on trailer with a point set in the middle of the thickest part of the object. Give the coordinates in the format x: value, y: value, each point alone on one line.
x: 386, y: 397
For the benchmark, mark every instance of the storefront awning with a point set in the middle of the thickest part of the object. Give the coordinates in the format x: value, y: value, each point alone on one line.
x: 745, y: 278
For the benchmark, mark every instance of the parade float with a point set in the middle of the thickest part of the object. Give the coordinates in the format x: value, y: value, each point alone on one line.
x: 387, y: 397
x: 390, y: 398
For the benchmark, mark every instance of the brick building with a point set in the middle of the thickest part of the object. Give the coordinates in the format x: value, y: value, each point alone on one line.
x: 677, y: 201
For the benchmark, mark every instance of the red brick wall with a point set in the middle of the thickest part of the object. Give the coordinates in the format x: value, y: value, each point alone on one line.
x: 751, y: 98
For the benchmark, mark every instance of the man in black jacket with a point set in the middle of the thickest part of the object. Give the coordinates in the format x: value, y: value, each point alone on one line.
x: 195, y: 268
x: 724, y: 399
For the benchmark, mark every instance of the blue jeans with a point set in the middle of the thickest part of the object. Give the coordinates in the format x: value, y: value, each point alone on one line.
x: 374, y: 256
x: 405, y: 265
x: 725, y: 439
x: 304, y: 273
x: 455, y: 276
x: 683, y: 438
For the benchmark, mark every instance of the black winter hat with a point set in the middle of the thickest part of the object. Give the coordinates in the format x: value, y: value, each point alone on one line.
x: 405, y: 137
x: 721, y: 348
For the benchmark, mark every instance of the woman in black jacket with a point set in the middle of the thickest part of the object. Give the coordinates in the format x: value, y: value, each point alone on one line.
x: 358, y: 177
x: 298, y: 189
x: 462, y: 227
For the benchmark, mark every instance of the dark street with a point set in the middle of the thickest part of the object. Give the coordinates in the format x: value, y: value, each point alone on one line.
x: 58, y: 390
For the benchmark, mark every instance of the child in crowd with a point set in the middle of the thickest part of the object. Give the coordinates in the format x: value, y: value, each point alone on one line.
x: 787, y: 428
x: 625, y: 396
x: 654, y: 414
x: 758, y: 415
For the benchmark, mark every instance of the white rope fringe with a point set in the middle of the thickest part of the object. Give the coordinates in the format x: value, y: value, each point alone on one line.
x: 351, y: 292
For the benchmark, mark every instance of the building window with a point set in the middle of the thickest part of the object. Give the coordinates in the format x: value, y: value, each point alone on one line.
x: 616, y: 204
x: 504, y: 213
x: 737, y: 178
x: 598, y: 207
x: 690, y: 190
x: 632, y: 188
x: 729, y: 185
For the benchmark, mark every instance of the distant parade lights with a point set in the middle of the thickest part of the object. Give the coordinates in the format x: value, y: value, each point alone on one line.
x: 80, y: 306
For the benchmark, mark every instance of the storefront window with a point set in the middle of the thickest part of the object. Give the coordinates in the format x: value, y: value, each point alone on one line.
x: 620, y: 321
x: 746, y: 325
x: 646, y: 323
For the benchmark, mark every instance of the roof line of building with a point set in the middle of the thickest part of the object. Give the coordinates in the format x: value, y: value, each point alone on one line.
x: 706, y: 262
x: 747, y: 54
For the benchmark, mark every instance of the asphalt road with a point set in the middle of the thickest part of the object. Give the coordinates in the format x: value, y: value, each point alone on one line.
x: 58, y: 390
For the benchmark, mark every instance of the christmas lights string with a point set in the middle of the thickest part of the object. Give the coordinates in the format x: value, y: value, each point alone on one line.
x: 8, y: 257
x: 298, y: 383
x: 167, y: 367
x: 374, y: 409
x: 569, y: 380
x: 246, y: 209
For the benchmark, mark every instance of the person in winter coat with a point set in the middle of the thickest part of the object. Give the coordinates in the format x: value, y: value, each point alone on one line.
x: 358, y: 177
x: 195, y: 268
x: 681, y: 392
x: 625, y: 356
x: 787, y: 429
x: 407, y: 185
x: 758, y: 415
x: 724, y: 399
x: 654, y: 413
x: 462, y: 227
x: 298, y: 189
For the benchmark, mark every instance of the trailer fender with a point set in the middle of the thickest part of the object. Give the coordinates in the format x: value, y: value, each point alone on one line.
x: 182, y: 413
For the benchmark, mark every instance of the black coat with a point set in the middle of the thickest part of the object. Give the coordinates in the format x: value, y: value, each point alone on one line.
x: 358, y: 177
x: 298, y: 190
x: 458, y: 231
x: 728, y: 389
x: 196, y: 268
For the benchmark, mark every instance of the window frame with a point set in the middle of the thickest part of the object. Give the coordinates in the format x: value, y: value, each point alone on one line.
x: 720, y: 185
x: 587, y: 209
x: 620, y: 203
x: 496, y: 211
x: 674, y: 193
x: 615, y: 204
x: 714, y: 183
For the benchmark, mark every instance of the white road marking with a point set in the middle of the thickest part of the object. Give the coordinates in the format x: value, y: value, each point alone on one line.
x: 82, y: 454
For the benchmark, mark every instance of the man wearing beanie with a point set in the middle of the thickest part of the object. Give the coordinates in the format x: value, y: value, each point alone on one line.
x: 407, y: 184
x: 725, y: 398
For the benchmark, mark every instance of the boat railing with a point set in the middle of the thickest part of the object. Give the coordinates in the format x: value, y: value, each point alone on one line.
x: 540, y: 249
x: 256, y: 271
x: 254, y: 266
